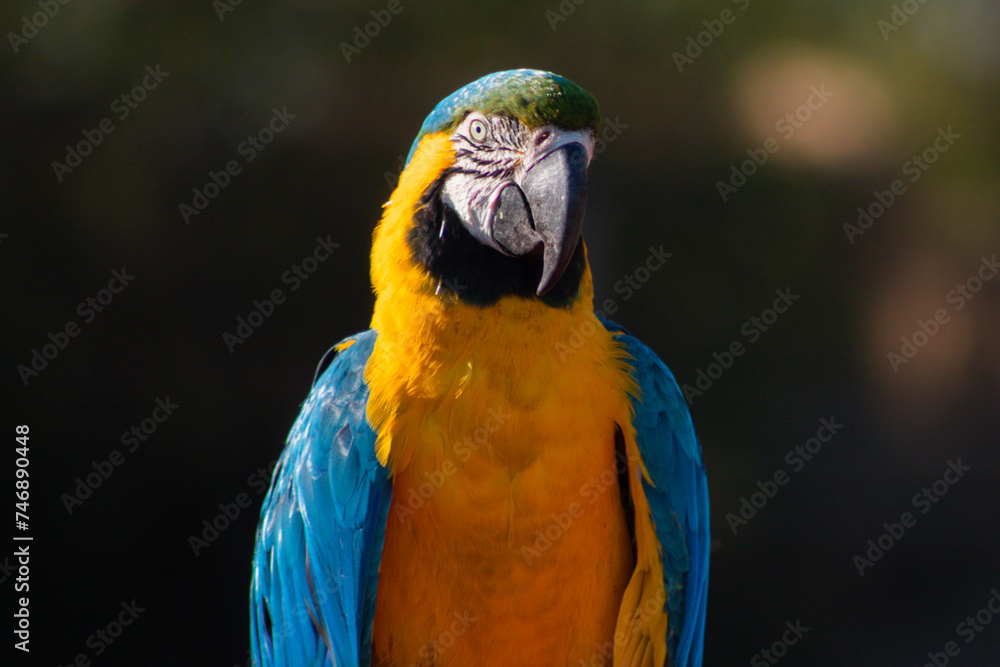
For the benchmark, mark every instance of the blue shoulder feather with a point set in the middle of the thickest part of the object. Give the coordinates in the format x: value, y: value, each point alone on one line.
x: 321, y: 530
x: 323, y: 521
x: 678, y: 496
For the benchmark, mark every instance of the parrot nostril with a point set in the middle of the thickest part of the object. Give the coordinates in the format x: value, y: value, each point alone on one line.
x: 540, y: 139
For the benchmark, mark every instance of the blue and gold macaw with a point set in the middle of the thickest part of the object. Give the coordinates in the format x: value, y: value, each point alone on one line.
x: 492, y: 475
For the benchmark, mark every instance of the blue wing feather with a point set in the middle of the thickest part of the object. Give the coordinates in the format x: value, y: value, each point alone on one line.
x: 678, y: 495
x: 322, y: 525
x: 323, y: 522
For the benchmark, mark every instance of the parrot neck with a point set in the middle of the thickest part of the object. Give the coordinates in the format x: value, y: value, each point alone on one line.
x: 430, y: 350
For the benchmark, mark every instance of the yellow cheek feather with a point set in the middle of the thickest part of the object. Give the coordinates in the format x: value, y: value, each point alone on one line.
x: 392, y: 261
x: 433, y: 383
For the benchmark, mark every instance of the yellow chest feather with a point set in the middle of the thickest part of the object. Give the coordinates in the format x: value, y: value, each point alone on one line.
x: 499, y: 427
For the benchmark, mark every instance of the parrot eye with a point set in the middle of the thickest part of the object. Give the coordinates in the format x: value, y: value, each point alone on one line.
x: 477, y: 130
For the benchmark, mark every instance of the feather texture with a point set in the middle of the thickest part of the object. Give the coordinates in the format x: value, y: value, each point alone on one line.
x: 322, y: 525
x: 676, y: 491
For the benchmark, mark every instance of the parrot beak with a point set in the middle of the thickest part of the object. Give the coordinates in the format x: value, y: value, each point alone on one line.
x: 541, y: 213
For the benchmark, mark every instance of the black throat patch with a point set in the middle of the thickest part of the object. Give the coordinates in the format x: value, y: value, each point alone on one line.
x: 476, y: 274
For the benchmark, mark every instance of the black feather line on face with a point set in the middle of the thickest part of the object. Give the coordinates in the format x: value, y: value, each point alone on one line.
x: 475, y: 273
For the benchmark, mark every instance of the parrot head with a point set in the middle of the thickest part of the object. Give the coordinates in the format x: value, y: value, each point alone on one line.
x: 498, y: 179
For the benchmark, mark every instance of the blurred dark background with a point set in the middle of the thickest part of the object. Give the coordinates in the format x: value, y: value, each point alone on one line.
x: 689, y: 88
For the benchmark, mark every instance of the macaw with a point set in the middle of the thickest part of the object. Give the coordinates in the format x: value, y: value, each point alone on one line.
x: 492, y: 474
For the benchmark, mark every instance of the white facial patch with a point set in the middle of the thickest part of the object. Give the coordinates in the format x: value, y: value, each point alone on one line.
x: 492, y: 152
